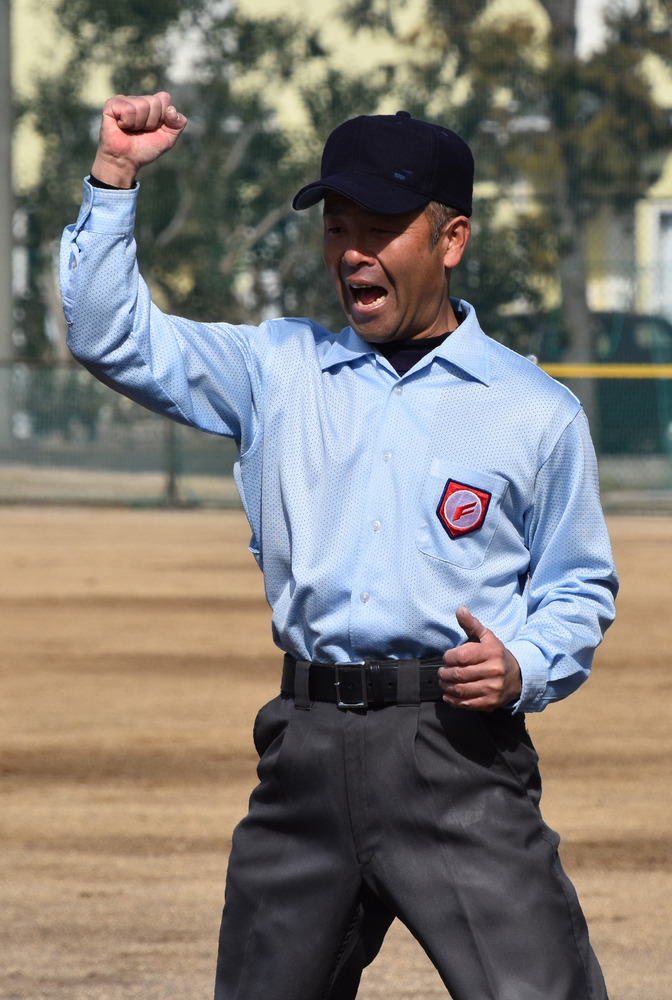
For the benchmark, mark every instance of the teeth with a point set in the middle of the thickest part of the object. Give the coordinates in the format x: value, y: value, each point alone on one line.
x: 357, y: 291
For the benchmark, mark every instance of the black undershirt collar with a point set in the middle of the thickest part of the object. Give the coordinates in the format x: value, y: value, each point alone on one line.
x: 404, y: 354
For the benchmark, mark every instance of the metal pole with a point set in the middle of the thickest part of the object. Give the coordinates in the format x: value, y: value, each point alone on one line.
x: 6, y: 237
x: 172, y: 492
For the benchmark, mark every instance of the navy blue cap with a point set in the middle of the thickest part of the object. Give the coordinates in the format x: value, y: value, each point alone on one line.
x: 391, y: 164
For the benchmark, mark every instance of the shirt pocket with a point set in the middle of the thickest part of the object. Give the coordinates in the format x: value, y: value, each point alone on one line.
x: 459, y: 512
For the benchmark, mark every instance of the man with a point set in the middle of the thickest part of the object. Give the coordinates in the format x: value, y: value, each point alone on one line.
x: 410, y: 484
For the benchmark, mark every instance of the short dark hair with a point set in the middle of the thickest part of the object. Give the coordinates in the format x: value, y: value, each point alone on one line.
x: 438, y: 216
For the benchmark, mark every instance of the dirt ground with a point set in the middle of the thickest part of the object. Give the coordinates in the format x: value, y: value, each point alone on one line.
x: 126, y: 757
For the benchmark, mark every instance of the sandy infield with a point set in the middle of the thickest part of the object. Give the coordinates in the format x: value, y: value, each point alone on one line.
x: 135, y: 652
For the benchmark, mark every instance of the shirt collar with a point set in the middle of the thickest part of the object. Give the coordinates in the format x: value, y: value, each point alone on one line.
x: 346, y: 348
x: 466, y: 348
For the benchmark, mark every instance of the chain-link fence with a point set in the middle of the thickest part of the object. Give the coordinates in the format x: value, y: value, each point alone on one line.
x: 69, y: 439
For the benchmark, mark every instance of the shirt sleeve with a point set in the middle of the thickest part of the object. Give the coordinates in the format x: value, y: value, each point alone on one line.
x: 202, y: 374
x: 572, y: 580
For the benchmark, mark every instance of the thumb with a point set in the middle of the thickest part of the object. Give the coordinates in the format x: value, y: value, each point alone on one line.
x: 471, y: 625
x: 174, y: 119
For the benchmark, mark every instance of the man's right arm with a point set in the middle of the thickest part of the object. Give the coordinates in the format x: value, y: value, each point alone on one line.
x: 202, y: 374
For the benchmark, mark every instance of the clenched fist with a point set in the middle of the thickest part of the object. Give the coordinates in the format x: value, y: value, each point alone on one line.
x: 135, y: 131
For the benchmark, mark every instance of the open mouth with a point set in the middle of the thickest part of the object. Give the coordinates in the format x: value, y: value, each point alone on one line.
x: 368, y: 296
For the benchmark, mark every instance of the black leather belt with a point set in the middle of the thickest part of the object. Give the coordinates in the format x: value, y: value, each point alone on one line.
x: 370, y: 684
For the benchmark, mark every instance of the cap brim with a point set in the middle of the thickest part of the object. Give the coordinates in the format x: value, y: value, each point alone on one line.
x: 373, y: 193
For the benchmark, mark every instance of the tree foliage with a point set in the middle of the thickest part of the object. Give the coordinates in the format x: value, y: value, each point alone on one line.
x: 217, y: 235
x: 574, y: 134
x: 555, y: 138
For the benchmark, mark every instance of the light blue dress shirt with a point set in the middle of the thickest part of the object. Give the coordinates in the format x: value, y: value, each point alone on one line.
x: 346, y: 471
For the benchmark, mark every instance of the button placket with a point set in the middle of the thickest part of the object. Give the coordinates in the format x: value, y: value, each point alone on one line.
x: 378, y: 493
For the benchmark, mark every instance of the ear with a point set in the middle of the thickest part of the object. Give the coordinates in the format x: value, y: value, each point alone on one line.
x: 455, y: 238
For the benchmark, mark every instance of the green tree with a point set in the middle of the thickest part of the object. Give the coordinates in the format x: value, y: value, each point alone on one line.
x: 59, y: 113
x: 605, y: 129
x: 579, y: 133
x: 217, y: 235
x: 555, y: 138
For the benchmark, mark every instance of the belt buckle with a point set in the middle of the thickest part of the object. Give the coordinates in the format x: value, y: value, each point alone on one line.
x: 364, y: 703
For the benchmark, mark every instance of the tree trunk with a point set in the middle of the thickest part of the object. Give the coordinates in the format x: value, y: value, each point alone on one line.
x: 571, y: 226
x: 562, y: 15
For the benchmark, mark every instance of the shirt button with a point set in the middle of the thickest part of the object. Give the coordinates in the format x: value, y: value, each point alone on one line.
x: 364, y: 596
x: 387, y: 455
x: 375, y: 526
x: 398, y: 390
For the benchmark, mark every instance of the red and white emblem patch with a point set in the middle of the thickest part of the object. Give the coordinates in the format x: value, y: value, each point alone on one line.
x: 462, y: 508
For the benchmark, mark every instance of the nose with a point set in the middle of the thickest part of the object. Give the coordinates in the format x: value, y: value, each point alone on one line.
x: 356, y: 254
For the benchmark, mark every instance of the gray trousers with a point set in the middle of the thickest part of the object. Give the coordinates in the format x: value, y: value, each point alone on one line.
x: 421, y: 812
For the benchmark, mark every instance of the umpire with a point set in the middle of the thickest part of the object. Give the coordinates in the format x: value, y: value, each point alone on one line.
x: 410, y: 485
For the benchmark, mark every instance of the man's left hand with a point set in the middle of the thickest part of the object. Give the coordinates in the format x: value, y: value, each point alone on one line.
x: 480, y: 676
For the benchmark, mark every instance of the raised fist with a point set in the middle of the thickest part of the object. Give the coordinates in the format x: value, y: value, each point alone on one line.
x: 135, y: 131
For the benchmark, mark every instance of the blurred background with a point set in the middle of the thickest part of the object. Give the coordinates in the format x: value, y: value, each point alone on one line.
x: 567, y: 105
